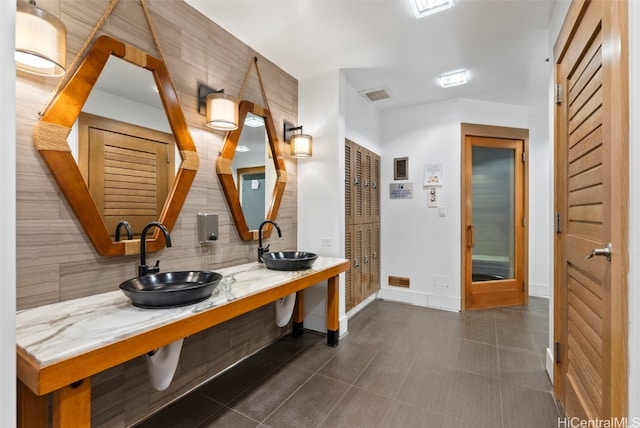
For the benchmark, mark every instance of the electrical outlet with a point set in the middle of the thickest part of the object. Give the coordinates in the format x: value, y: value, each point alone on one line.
x: 440, y: 281
x: 326, y: 242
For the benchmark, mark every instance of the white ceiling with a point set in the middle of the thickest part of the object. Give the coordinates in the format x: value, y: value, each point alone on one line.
x: 502, y: 43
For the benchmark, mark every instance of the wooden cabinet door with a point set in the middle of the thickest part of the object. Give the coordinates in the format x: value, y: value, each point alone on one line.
x: 367, y: 259
x: 357, y: 279
x: 348, y: 276
x: 349, y: 178
x: 375, y: 257
x: 375, y: 189
x: 367, y: 185
x: 362, y: 223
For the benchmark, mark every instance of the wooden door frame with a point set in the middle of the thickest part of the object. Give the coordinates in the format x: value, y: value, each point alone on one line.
x: 489, y: 131
x: 616, y: 112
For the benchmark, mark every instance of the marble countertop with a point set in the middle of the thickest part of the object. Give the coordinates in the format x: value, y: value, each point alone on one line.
x: 61, y: 330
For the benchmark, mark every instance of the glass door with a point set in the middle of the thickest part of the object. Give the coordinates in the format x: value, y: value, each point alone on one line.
x: 494, y: 239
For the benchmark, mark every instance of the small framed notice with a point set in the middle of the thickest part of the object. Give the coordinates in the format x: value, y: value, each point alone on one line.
x: 401, y: 168
x: 432, y: 174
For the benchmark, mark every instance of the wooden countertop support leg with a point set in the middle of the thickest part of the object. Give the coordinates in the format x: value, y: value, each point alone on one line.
x: 333, y: 320
x: 33, y: 410
x: 72, y: 405
x: 298, y: 315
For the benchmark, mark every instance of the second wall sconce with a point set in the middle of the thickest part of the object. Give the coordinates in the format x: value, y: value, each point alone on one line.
x: 41, y: 41
x: 301, y: 144
x: 221, y: 109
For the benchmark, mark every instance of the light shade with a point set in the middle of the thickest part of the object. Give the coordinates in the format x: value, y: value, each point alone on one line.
x: 41, y: 41
x: 222, y: 111
x: 301, y: 145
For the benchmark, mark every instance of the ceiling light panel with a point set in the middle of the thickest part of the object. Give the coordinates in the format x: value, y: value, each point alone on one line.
x: 454, y: 78
x: 424, y: 8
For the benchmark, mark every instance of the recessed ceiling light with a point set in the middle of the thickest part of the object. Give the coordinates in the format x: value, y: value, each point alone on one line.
x: 242, y: 149
x: 254, y: 121
x: 424, y: 8
x: 454, y: 78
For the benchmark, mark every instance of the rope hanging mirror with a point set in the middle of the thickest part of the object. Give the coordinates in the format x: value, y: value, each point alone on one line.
x: 64, y: 107
x: 227, y: 171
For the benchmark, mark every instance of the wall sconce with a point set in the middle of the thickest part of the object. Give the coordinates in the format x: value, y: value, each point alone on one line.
x: 301, y: 144
x: 41, y: 41
x: 221, y: 109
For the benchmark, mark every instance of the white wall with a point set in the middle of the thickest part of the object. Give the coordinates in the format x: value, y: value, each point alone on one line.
x: 7, y: 216
x: 362, y: 121
x: 416, y: 242
x: 330, y: 110
x: 634, y: 215
x: 321, y: 185
x: 540, y: 217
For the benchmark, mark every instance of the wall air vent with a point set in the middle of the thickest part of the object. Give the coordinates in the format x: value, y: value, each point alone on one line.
x: 398, y: 281
x: 375, y: 94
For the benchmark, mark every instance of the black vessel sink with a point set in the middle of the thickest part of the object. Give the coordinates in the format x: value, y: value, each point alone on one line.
x: 289, y: 260
x: 170, y: 289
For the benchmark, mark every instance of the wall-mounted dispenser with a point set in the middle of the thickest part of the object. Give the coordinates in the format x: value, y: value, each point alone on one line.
x: 207, y: 227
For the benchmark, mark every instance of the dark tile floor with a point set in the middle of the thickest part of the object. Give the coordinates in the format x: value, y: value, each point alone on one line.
x: 399, y: 366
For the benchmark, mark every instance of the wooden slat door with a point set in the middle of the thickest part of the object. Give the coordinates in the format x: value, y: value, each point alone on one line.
x: 375, y: 189
x: 348, y: 276
x: 129, y: 170
x: 348, y: 183
x: 590, y: 378
x: 375, y: 258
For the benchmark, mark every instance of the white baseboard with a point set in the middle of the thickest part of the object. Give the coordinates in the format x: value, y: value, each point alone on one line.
x: 539, y: 290
x: 315, y: 322
x: 550, y: 364
x: 405, y: 295
x: 318, y: 323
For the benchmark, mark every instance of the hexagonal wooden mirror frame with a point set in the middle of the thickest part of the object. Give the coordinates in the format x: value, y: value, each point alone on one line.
x: 226, y: 176
x: 51, y: 132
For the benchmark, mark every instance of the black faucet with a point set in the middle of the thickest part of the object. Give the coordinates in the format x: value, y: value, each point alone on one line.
x: 143, y: 269
x: 261, y: 250
x: 127, y: 227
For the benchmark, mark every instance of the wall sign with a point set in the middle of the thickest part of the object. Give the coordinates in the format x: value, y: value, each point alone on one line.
x: 400, y: 190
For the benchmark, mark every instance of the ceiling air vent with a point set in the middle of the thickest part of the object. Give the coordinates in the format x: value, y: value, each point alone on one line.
x: 375, y: 94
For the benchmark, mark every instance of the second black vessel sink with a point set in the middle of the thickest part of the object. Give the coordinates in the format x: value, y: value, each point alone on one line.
x: 170, y: 289
x: 289, y: 260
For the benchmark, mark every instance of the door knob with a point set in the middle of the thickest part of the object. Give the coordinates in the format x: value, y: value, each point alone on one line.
x: 606, y: 252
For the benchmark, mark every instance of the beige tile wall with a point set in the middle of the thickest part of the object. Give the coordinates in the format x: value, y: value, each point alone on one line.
x: 55, y: 261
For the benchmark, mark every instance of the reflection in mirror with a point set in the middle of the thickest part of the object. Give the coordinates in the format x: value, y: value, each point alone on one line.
x: 124, y: 147
x: 251, y: 168
x: 51, y: 134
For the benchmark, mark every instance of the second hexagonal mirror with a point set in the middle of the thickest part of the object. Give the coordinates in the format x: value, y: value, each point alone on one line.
x: 252, y: 172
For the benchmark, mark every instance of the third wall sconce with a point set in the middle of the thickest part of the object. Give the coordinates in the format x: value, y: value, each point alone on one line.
x: 301, y: 144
